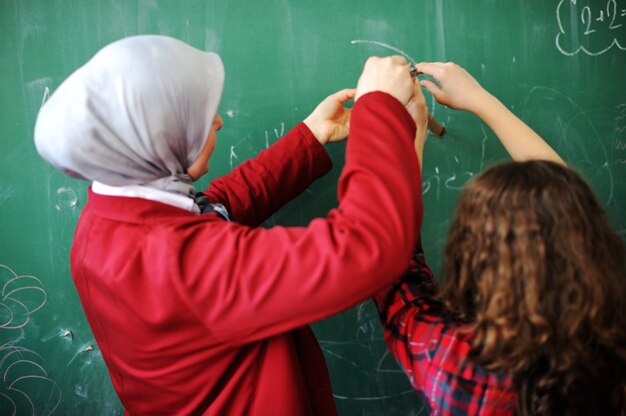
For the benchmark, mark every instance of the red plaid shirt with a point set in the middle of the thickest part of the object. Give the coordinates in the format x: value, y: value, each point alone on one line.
x: 425, y: 339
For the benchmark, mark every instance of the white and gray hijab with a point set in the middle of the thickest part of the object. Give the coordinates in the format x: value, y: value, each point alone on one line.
x: 137, y: 113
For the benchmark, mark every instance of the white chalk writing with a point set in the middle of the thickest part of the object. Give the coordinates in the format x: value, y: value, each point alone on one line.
x: 590, y: 27
x: 66, y: 199
x: 21, y: 297
x: 384, y: 45
x: 22, y: 372
x: 23, y: 376
x: 619, y: 135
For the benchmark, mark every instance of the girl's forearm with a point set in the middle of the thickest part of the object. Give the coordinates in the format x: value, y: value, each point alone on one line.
x: 520, y: 141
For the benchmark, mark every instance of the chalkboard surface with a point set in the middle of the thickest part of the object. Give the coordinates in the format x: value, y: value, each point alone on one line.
x: 559, y: 65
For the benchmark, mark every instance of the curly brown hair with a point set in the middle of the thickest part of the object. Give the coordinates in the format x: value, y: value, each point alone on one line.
x: 533, y: 265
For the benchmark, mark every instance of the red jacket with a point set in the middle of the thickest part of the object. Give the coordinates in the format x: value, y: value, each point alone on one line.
x: 197, y: 315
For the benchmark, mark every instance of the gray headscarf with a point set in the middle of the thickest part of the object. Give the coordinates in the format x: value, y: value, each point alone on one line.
x: 138, y: 112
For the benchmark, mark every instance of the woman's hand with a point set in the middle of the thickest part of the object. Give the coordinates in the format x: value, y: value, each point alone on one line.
x: 390, y: 75
x: 455, y: 87
x: 330, y: 121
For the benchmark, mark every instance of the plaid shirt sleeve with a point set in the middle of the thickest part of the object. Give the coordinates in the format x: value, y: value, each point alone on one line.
x: 433, y: 350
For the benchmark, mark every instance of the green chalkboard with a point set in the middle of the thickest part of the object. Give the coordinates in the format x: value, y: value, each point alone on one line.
x: 559, y: 65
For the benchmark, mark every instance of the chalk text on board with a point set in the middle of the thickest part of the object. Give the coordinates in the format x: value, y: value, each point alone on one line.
x: 590, y: 28
x: 22, y: 371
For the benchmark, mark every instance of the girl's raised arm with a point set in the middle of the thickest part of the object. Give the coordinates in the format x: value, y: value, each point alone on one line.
x: 457, y: 89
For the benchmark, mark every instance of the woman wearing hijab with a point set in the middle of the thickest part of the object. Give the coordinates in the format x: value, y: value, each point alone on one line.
x: 196, y: 309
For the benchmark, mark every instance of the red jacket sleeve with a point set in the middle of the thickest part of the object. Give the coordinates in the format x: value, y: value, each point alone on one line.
x: 260, y: 282
x: 259, y: 187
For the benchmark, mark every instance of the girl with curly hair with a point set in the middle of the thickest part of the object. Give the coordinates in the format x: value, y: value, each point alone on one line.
x: 532, y: 319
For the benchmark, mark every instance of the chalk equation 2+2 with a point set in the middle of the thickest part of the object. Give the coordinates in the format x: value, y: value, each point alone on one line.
x: 592, y: 27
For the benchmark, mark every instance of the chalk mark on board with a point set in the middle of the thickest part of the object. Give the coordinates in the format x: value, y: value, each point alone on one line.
x: 21, y: 371
x: 426, y: 183
x: 373, y: 398
x: 580, y: 113
x: 277, y: 134
x: 282, y: 131
x: 383, y: 397
x: 233, y: 156
x: 46, y: 95
x: 23, y: 375
x: 332, y: 353
x: 619, y: 138
x: 379, y: 366
x: 449, y: 182
x: 621, y: 129
x: 66, y: 198
x: 81, y: 350
x: 6, y: 193
x: 483, y: 148
x: 384, y: 45
x: 21, y: 297
x: 606, y: 25
x: 363, y: 371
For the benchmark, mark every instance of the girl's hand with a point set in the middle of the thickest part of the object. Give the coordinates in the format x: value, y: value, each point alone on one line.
x: 390, y: 75
x: 459, y: 90
x: 330, y: 121
x: 455, y: 87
